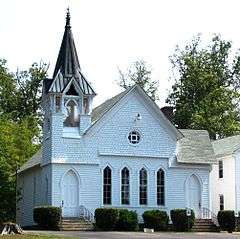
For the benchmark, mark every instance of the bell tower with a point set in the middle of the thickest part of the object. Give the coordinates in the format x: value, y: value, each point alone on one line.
x: 68, y: 94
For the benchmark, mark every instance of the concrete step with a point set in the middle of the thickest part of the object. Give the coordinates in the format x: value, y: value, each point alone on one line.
x: 75, y: 224
x: 204, y: 225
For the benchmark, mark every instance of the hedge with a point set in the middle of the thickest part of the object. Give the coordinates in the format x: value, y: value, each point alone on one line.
x: 226, y: 220
x: 106, y: 218
x: 127, y: 220
x: 47, y: 216
x: 180, y: 220
x: 156, y: 219
x: 116, y: 219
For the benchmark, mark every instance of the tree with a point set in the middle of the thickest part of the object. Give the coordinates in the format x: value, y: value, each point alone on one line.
x: 20, y: 93
x: 205, y: 94
x: 139, y: 74
x: 20, y: 119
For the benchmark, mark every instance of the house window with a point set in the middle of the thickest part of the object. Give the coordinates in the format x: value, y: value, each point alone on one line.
x: 134, y: 137
x: 46, y: 192
x: 143, y: 187
x: 107, y: 186
x: 221, y: 202
x: 72, y: 119
x: 220, y: 169
x: 125, y: 187
x: 160, y: 188
x: 34, y: 190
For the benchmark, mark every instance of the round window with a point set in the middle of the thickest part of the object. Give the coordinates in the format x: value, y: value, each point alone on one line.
x: 134, y: 137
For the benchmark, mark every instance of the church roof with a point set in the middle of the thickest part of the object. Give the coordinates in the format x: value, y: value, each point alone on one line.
x: 100, y: 110
x: 195, y: 147
x: 226, y: 146
x: 68, y: 66
x: 34, y: 161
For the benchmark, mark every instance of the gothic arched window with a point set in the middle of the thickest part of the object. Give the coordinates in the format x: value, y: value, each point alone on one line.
x: 72, y: 119
x: 125, y: 186
x: 143, y: 186
x: 107, y: 186
x: 160, y: 187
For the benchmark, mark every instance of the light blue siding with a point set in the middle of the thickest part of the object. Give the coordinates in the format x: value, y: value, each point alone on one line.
x: 105, y: 144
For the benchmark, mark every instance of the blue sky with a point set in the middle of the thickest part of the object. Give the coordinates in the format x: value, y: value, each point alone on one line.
x: 112, y: 33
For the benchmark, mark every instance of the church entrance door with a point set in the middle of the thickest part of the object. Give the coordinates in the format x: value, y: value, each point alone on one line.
x: 70, y: 195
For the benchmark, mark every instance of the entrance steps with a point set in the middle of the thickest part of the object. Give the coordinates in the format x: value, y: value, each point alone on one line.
x: 204, y: 225
x: 75, y: 224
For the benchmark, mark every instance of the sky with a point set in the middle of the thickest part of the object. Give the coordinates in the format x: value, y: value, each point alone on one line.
x: 112, y: 33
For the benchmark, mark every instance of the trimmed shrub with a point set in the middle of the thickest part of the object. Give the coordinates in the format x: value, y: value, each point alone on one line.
x: 156, y: 219
x: 180, y: 220
x: 127, y: 220
x: 47, y: 216
x: 106, y: 218
x: 226, y: 220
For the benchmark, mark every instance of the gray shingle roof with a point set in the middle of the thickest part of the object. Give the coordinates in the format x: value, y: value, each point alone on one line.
x: 100, y: 110
x: 195, y: 147
x: 34, y: 161
x: 226, y: 146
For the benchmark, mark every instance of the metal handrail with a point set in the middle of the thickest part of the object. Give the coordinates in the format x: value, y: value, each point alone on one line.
x: 208, y: 214
x: 85, y: 214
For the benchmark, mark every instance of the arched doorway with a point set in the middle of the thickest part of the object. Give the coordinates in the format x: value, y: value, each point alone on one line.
x: 70, y: 195
x: 194, y: 194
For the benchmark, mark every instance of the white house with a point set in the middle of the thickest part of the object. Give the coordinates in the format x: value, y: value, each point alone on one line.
x: 225, y: 176
x: 124, y: 153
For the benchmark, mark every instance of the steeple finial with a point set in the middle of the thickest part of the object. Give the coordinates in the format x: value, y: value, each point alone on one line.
x: 68, y: 18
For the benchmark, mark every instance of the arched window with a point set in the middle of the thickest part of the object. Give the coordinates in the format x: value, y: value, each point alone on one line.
x: 107, y: 186
x: 143, y: 187
x: 160, y: 187
x: 125, y: 187
x: 72, y: 119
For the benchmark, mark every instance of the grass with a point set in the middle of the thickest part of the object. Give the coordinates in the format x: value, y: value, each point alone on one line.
x: 34, y: 236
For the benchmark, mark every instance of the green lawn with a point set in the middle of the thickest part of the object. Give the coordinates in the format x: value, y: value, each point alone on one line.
x: 31, y: 236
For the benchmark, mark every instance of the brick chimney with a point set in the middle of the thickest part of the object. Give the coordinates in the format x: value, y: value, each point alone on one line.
x: 168, y: 112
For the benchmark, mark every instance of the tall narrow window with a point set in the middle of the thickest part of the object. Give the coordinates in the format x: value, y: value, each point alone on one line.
x: 143, y: 187
x: 160, y: 187
x: 221, y: 202
x: 220, y: 169
x: 125, y: 188
x: 107, y: 186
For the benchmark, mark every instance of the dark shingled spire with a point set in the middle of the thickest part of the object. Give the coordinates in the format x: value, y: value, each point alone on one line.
x: 67, y: 61
x: 67, y: 68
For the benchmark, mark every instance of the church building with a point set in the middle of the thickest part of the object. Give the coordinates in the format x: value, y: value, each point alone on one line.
x: 125, y: 153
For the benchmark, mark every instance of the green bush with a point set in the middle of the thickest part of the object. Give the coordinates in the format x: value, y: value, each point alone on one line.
x: 156, y: 219
x: 226, y: 220
x: 127, y: 220
x: 47, y: 216
x: 180, y: 220
x: 106, y: 218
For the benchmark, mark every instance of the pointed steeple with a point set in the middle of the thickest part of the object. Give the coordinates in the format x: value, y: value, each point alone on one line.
x: 67, y: 61
x: 67, y: 65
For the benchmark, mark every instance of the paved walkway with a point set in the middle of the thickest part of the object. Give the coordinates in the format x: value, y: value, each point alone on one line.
x: 140, y: 235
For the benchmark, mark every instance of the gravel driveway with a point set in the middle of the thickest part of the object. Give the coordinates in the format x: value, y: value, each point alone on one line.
x: 139, y: 235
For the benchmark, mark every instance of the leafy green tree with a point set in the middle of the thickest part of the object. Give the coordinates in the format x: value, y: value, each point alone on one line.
x: 139, y: 74
x: 205, y: 94
x: 20, y: 119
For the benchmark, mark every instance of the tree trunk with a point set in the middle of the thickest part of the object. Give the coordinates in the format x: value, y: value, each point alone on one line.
x: 10, y: 228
